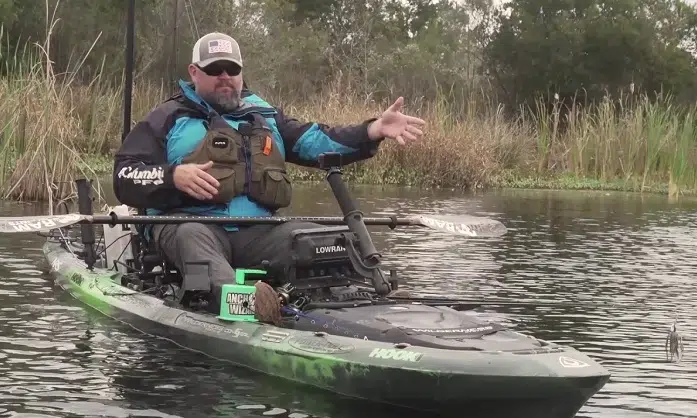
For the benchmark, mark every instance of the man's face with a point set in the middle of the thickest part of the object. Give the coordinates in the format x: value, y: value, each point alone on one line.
x: 219, y: 83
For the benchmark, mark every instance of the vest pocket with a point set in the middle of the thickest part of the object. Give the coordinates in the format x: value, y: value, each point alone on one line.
x: 271, y: 187
x: 227, y: 177
x: 223, y: 150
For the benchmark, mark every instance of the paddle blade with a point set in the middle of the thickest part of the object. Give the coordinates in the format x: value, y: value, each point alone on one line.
x: 467, y: 225
x: 37, y: 223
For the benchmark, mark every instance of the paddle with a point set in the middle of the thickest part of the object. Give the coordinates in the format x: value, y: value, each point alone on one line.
x: 463, y: 225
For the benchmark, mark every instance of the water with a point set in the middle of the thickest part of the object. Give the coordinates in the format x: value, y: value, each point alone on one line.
x: 603, y: 272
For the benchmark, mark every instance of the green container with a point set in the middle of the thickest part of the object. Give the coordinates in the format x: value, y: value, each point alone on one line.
x: 237, y: 300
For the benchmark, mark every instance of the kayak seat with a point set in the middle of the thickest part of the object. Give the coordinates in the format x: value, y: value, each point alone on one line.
x: 155, y: 268
x: 151, y: 269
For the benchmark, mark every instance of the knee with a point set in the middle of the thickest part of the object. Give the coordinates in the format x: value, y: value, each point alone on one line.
x: 189, y: 231
x: 187, y: 240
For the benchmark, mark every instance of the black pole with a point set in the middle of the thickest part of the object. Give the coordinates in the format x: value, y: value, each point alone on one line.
x: 127, y: 94
x: 174, y: 61
x: 130, y: 59
x: 84, y: 201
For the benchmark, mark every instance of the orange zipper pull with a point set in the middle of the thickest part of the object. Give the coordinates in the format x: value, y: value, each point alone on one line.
x: 267, y: 146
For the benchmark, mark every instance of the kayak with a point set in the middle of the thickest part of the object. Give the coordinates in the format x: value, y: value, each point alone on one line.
x: 430, y: 358
x: 341, y: 324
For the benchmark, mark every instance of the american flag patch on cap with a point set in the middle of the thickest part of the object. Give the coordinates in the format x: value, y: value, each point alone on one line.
x: 219, y: 45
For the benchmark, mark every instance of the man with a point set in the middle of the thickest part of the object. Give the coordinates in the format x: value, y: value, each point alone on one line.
x: 216, y: 149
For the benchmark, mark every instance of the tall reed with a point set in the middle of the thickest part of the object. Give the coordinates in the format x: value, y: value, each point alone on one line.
x: 49, y: 123
x: 645, y: 144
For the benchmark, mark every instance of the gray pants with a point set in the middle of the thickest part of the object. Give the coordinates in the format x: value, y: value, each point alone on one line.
x: 220, y: 249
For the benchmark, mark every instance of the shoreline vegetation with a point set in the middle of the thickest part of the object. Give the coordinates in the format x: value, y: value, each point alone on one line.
x: 53, y: 130
x: 56, y: 124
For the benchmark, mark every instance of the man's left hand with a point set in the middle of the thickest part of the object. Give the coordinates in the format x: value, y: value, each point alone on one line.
x: 395, y: 124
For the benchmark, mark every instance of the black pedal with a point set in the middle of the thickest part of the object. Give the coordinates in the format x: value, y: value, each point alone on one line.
x: 196, y: 284
x: 197, y: 276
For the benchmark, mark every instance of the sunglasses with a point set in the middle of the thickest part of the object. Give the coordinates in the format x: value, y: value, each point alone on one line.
x: 217, y: 68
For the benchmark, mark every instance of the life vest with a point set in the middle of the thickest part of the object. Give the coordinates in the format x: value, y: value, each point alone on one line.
x: 246, y: 161
x: 248, y: 153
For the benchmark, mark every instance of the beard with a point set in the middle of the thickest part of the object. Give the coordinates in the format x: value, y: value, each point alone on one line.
x: 223, y: 101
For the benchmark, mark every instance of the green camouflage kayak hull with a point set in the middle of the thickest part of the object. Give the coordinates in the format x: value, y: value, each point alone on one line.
x: 455, y: 370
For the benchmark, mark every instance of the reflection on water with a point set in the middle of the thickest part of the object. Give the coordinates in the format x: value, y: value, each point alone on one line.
x: 604, y: 272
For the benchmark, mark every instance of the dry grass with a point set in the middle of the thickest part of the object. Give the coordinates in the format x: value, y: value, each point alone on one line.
x: 48, y: 128
x: 49, y: 123
x: 460, y: 151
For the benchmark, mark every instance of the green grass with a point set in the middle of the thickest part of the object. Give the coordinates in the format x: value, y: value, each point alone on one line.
x: 569, y: 181
x: 101, y: 164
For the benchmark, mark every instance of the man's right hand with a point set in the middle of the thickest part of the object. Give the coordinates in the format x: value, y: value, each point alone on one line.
x: 194, y: 180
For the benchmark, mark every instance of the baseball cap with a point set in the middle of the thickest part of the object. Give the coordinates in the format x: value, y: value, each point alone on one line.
x: 216, y: 46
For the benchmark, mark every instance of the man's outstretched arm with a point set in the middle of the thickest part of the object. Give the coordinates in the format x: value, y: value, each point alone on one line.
x: 305, y: 141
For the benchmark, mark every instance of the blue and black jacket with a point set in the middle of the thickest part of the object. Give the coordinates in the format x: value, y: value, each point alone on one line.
x: 144, y: 165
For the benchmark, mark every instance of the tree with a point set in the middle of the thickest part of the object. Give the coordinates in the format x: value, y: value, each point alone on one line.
x: 589, y: 48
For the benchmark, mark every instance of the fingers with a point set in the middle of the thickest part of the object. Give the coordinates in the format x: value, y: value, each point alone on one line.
x: 195, y: 181
x: 397, y: 105
x: 408, y: 136
x: 411, y: 120
x: 196, y: 192
x: 205, y: 166
x: 199, y: 188
x: 205, y: 187
x: 202, y: 173
x: 208, y: 178
x: 409, y: 133
x: 414, y: 130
